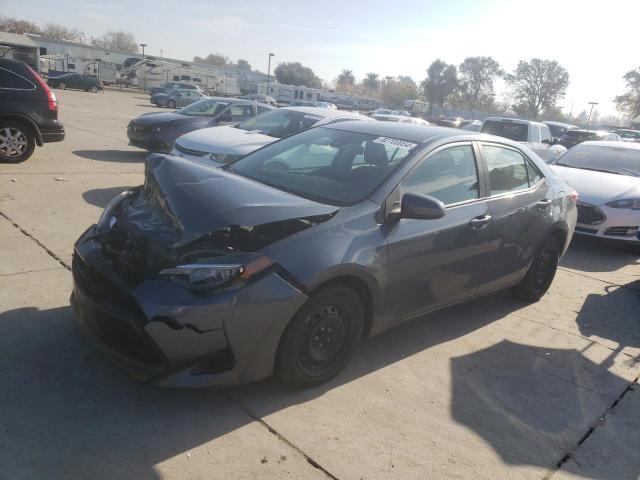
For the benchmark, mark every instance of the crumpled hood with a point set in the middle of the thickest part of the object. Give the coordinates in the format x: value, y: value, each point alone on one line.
x: 598, y: 188
x: 182, y: 201
x: 160, y: 118
x: 224, y: 139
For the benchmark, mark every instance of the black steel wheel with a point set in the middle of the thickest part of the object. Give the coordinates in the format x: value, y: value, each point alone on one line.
x: 321, y: 338
x: 541, y: 272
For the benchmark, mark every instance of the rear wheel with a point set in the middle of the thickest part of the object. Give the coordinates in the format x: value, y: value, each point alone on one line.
x: 321, y: 338
x: 540, y: 274
x: 17, y: 142
x: 171, y: 104
x: 62, y: 85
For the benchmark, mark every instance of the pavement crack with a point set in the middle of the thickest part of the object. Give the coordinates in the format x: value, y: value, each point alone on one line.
x: 564, y: 269
x: 38, y: 242
x: 602, y: 419
x: 280, y: 437
x: 27, y: 271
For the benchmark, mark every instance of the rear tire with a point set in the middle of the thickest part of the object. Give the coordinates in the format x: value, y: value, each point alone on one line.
x: 62, y: 86
x: 17, y: 142
x: 541, y: 272
x: 321, y: 338
x: 171, y: 104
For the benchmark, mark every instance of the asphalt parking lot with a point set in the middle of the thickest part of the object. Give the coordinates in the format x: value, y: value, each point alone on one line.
x: 492, y: 389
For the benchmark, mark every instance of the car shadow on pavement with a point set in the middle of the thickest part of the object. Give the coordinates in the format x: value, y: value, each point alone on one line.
x: 533, y: 405
x: 614, y: 316
x: 119, y: 156
x: 67, y: 412
x: 596, y: 255
x: 101, y: 196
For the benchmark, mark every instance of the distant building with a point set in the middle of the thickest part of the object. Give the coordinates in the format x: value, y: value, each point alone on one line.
x: 20, y: 47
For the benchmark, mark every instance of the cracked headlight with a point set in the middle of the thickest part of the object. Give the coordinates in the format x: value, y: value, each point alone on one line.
x: 631, y: 203
x: 224, y: 157
x: 204, y: 276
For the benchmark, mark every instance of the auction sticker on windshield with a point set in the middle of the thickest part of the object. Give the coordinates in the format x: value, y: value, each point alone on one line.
x: 395, y: 142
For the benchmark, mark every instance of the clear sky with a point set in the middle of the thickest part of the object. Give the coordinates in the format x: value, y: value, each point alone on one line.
x: 596, y: 41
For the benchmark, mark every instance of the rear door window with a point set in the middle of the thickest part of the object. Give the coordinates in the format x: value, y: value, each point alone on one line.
x: 507, y: 169
x: 545, y: 134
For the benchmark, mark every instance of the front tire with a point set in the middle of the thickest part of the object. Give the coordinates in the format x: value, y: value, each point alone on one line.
x: 17, y: 142
x: 321, y: 338
x: 94, y: 89
x: 540, y: 274
x: 62, y: 86
x: 171, y: 104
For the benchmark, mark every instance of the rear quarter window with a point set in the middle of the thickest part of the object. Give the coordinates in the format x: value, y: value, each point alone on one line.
x: 10, y: 80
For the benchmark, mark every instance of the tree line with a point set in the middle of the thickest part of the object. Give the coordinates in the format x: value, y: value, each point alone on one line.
x: 118, y: 41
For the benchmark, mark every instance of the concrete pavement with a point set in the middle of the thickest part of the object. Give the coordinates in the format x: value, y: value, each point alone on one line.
x: 489, y: 389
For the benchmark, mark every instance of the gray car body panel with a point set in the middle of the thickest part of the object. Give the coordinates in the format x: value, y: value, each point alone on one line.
x: 408, y: 267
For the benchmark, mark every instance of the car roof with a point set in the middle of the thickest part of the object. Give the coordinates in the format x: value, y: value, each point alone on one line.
x: 602, y: 143
x: 406, y: 131
x: 514, y: 120
x: 560, y: 124
x: 324, y: 112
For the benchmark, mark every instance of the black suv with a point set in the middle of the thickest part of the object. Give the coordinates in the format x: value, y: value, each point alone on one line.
x: 88, y: 83
x: 28, y: 112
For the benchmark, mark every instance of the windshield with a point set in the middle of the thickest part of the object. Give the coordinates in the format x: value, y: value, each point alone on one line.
x: 330, y: 166
x: 280, y: 123
x: 624, y: 161
x: 556, y: 130
x: 518, y: 132
x: 203, y: 108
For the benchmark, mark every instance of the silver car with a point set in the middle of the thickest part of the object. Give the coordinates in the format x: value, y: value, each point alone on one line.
x: 606, y: 176
x: 218, y: 146
x: 177, y: 98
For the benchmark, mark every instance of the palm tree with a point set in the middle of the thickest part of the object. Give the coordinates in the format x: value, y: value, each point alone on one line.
x: 346, y: 77
x: 371, y: 82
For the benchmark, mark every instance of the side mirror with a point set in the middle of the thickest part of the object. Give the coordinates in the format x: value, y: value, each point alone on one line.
x: 421, y: 207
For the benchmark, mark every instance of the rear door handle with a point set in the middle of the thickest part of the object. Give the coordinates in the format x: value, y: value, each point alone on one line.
x: 544, y: 203
x: 479, y: 223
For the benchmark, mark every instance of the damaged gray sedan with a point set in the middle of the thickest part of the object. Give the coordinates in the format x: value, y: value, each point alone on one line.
x: 283, y: 261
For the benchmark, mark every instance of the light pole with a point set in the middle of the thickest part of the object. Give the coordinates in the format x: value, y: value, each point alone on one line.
x: 161, y: 52
x: 590, y: 112
x: 269, y: 71
x: 144, y: 81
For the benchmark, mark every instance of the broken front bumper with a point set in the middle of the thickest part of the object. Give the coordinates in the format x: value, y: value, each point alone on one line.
x: 161, y: 333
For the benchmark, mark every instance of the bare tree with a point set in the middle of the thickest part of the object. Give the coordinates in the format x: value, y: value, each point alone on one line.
x: 629, y: 102
x: 217, y: 59
x: 120, y: 41
x: 13, y: 25
x: 53, y: 31
x: 538, y: 85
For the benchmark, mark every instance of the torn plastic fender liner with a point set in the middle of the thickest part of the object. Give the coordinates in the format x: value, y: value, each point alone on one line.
x: 191, y: 200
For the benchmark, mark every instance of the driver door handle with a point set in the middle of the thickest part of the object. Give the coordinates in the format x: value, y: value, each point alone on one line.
x: 481, y: 222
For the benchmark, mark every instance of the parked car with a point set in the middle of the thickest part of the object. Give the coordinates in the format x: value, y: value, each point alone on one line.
x: 558, y: 129
x: 258, y: 97
x: 28, y: 112
x: 219, y: 146
x: 79, y: 81
x: 535, y: 135
x: 304, y: 103
x: 383, y: 111
x: 574, y: 137
x: 471, y: 125
x: 607, y: 178
x: 628, y: 135
x: 283, y: 261
x: 332, y: 106
x: 177, y: 97
x: 164, y: 88
x: 399, y: 118
x: 157, y: 131
x: 444, y: 121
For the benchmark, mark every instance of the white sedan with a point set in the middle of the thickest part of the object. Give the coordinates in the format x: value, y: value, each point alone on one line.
x: 218, y: 146
x: 606, y: 176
